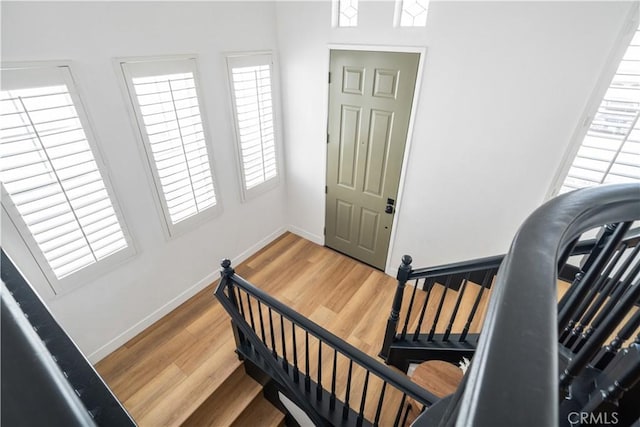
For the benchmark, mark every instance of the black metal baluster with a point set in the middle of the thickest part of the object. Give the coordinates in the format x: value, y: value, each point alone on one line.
x: 611, y: 396
x: 610, y: 285
x: 240, y: 303
x: 264, y: 338
x: 622, y: 288
x: 485, y: 283
x: 319, y: 383
x: 253, y: 325
x: 296, y: 371
x: 396, y: 422
x: 332, y: 401
x: 379, y: 408
x: 591, y: 274
x: 579, y: 320
x: 602, y: 298
x: 428, y: 283
x: 307, y: 378
x: 592, y: 346
x: 363, y: 401
x: 447, y: 282
x: 607, y: 353
x: 403, y: 334
x: 345, y: 409
x: 285, y: 363
x: 273, y: 336
x: 456, y: 308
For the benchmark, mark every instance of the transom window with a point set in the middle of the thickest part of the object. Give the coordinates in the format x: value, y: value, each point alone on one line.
x: 165, y: 97
x: 345, y: 13
x: 57, y: 195
x: 411, y: 13
x: 610, y: 151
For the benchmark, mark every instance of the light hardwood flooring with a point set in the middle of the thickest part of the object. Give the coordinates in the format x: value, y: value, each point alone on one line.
x: 183, y: 367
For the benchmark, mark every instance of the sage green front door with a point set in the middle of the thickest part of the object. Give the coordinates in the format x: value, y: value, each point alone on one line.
x: 370, y: 97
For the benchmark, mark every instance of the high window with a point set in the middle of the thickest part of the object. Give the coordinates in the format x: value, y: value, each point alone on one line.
x: 54, y: 190
x: 251, y: 78
x: 610, y: 151
x: 345, y: 13
x: 411, y: 13
x: 167, y: 104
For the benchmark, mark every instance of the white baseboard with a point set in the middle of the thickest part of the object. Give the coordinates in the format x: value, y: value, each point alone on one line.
x: 319, y: 240
x: 171, y: 305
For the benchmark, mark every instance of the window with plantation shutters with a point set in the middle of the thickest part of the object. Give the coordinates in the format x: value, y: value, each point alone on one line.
x: 610, y: 151
x: 168, y: 110
x: 253, y: 104
x: 53, y: 188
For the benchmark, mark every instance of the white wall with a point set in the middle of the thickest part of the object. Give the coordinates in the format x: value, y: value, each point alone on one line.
x: 504, y: 87
x: 105, y: 312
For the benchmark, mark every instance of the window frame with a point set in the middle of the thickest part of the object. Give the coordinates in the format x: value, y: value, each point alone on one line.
x: 101, y: 267
x: 253, y: 59
x: 170, y: 230
x: 624, y: 38
x: 335, y: 15
x: 397, y: 16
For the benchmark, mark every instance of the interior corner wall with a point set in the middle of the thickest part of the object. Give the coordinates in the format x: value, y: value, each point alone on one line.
x: 504, y: 88
x: 103, y: 314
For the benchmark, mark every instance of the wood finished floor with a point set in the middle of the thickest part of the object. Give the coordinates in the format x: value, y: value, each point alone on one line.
x: 172, y: 372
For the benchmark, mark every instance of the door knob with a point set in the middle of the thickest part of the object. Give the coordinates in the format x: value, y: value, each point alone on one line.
x: 388, y: 209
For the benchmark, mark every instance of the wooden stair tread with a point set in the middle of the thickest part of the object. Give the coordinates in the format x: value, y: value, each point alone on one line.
x: 227, y: 402
x: 176, y: 406
x: 439, y: 377
x: 260, y: 412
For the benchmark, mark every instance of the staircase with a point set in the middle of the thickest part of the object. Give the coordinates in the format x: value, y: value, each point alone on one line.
x: 516, y: 355
x: 175, y: 371
x: 310, y: 333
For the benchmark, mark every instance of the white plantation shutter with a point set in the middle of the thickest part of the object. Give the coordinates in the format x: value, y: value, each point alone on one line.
x: 610, y: 151
x: 165, y: 97
x: 50, y: 173
x: 252, y: 93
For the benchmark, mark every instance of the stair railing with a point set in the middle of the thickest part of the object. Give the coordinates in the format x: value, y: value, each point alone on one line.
x: 513, y: 379
x: 415, y: 340
x: 451, y: 278
x: 333, y: 382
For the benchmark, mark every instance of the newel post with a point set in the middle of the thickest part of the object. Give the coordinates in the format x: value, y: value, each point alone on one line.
x: 226, y: 276
x: 392, y: 324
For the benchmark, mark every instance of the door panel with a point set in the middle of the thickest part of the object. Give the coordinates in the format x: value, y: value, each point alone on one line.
x: 367, y: 235
x: 370, y: 99
x: 349, y: 138
x: 377, y: 151
x: 344, y: 212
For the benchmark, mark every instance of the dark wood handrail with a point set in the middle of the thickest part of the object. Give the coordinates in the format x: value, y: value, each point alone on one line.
x: 478, y: 264
x: 632, y: 238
